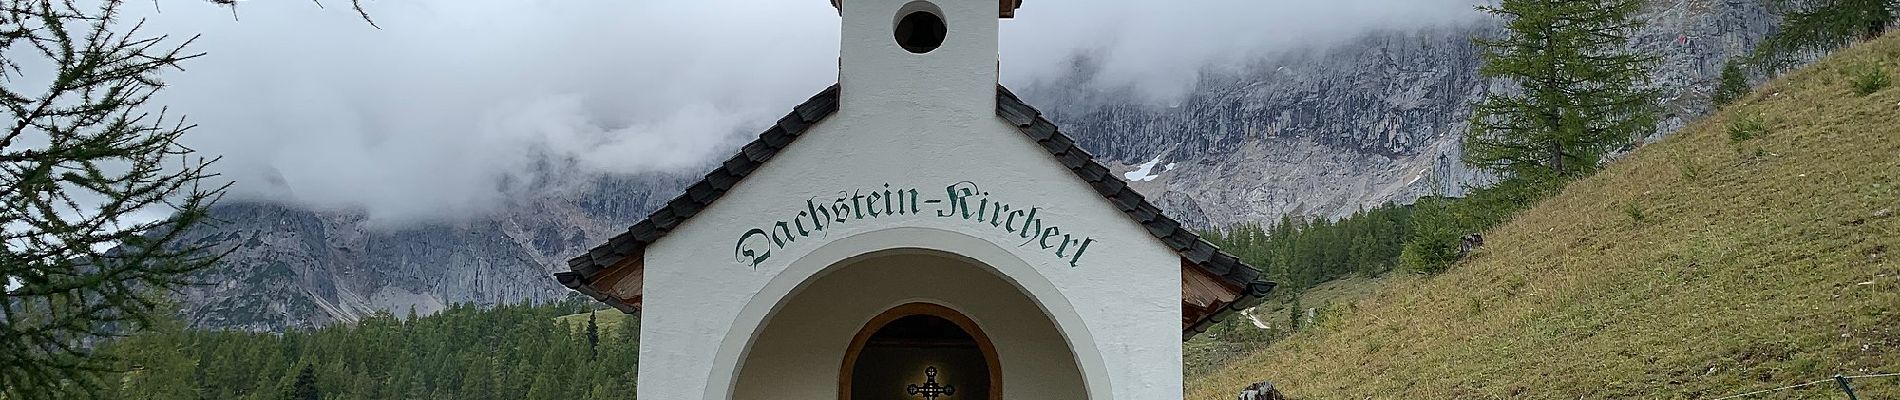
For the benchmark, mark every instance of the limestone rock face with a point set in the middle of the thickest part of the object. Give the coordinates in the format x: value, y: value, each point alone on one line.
x: 292, y: 268
x: 1322, y: 132
x: 1318, y: 132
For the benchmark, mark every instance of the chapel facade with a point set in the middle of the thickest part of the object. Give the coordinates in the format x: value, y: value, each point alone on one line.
x: 914, y: 232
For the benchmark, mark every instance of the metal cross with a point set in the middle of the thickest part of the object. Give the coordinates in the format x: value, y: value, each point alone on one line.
x: 930, y: 390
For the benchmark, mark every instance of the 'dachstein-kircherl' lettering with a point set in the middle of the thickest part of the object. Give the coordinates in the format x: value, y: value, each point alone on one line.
x: 964, y: 201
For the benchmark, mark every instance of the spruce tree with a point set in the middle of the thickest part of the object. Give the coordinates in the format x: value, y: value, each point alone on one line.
x: 1732, y: 85
x: 593, y: 337
x: 156, y: 363
x: 1432, y: 245
x: 1293, y: 317
x: 1809, y: 26
x: 305, y: 387
x: 1578, y: 89
x: 629, y: 334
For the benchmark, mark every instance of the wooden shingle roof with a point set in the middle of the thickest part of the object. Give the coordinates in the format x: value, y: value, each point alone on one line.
x: 1214, y: 283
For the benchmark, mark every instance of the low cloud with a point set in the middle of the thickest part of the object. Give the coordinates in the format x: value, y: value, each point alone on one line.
x: 1160, y: 47
x: 456, y: 104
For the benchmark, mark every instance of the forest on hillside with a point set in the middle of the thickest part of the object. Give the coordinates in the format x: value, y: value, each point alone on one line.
x: 465, y: 352
x: 1297, y: 253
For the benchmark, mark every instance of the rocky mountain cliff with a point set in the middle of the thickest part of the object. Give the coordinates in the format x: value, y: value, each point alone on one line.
x: 291, y: 267
x: 1315, y: 132
x: 1322, y: 132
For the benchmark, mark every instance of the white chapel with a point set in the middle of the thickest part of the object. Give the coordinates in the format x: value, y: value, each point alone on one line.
x: 914, y: 232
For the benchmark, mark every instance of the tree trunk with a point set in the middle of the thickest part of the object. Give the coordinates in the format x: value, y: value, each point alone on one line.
x: 1557, y: 158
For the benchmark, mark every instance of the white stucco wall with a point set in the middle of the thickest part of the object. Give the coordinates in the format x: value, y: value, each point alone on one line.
x: 925, y: 122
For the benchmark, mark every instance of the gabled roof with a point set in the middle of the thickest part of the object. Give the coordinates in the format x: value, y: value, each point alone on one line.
x: 1214, y: 283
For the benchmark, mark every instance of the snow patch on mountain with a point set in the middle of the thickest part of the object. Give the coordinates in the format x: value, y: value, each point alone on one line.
x: 1146, y: 172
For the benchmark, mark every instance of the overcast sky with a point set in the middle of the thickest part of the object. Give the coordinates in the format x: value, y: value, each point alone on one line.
x: 453, y: 103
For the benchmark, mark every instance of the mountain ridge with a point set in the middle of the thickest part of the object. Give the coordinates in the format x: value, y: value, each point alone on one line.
x: 1319, y: 132
x: 1323, y: 132
x: 291, y: 267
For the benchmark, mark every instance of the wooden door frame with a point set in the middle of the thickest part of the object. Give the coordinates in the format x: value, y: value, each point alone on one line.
x: 969, y: 326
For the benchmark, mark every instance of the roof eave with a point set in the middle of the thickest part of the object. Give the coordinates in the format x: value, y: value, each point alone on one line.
x: 1194, y: 250
x: 1253, y: 295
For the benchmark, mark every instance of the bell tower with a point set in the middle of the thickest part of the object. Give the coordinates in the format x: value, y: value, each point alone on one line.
x: 921, y: 58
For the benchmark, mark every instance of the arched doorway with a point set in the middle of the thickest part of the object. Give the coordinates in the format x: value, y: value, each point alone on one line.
x: 921, y: 350
x: 800, y: 349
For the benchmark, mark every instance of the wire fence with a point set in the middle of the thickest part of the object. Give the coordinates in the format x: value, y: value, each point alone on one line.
x: 1846, y: 383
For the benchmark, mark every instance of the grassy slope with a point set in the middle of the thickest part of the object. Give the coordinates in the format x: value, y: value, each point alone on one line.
x: 607, y: 321
x: 1204, y: 354
x: 1754, y: 264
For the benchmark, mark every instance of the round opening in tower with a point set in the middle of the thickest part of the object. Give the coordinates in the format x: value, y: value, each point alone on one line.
x: 920, y: 31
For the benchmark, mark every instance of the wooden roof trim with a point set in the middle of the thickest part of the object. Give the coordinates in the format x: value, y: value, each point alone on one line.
x: 624, y: 281
x: 1208, y: 299
x: 1201, y: 290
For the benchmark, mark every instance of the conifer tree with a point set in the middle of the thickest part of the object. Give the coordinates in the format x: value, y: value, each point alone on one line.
x: 305, y: 387
x: 1822, y: 25
x: 593, y: 337
x: 517, y: 352
x: 1432, y: 246
x: 1578, y: 90
x: 1293, y: 317
x: 155, y: 363
x: 1733, y: 83
x: 82, y: 157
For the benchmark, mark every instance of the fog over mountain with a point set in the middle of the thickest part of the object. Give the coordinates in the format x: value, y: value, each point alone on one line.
x: 464, y: 151
x: 455, y: 106
x: 1161, y: 47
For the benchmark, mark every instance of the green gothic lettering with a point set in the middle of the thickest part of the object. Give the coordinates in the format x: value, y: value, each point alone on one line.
x: 960, y: 201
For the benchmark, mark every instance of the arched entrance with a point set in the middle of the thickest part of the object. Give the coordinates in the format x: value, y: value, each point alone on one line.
x: 921, y: 350
x: 927, y: 306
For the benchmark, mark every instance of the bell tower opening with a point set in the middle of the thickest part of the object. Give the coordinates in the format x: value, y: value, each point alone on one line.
x: 920, y: 29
